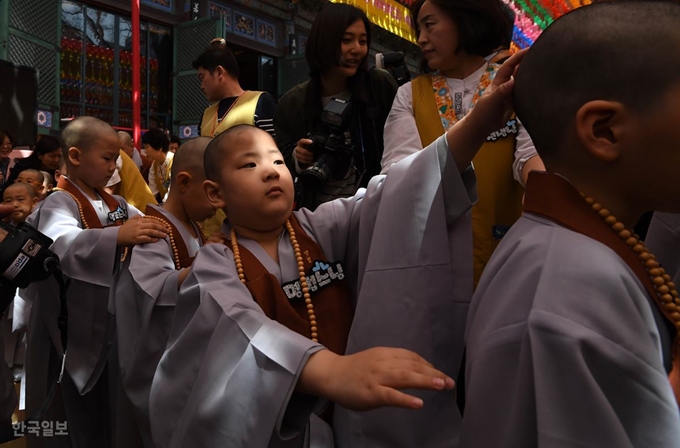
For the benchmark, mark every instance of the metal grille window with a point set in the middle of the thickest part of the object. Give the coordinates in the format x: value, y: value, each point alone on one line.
x: 293, y: 70
x: 96, y: 67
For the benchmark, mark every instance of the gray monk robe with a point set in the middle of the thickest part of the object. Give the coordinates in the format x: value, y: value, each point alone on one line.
x: 566, y: 346
x: 415, y: 288
x: 663, y: 240
x: 89, y: 258
x: 229, y: 374
x: 145, y: 297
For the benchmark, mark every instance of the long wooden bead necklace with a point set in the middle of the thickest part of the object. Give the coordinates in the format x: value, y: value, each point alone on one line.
x: 301, y: 271
x: 171, y: 237
x: 663, y: 284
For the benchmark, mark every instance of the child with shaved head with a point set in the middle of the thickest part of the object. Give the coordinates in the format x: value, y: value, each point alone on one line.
x: 92, y: 232
x: 23, y: 198
x: 35, y: 179
x: 146, y: 293
x: 261, y: 336
x: 572, y: 330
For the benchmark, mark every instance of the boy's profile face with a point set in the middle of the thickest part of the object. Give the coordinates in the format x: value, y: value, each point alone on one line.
x: 256, y: 187
x: 32, y: 180
x: 18, y: 197
x: 96, y: 164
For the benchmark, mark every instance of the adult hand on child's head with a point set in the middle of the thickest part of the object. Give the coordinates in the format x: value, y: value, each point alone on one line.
x: 139, y: 230
x: 495, y: 107
x: 371, y: 379
x: 303, y: 155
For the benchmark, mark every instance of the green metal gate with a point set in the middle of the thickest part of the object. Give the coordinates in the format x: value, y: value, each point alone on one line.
x: 30, y: 35
x: 191, y: 39
x: 293, y: 70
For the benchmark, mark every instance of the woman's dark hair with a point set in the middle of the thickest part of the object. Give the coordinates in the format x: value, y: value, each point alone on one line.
x: 217, y: 55
x: 325, y: 37
x: 482, y: 24
x: 4, y: 134
x: 45, y: 145
x: 157, y: 139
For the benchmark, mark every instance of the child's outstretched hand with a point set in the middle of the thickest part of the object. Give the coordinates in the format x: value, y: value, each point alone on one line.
x: 370, y: 379
x: 139, y: 230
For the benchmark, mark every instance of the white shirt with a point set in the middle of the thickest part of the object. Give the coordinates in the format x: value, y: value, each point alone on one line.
x: 403, y: 139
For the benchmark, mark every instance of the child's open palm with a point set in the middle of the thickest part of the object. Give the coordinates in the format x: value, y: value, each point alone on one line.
x: 371, y: 379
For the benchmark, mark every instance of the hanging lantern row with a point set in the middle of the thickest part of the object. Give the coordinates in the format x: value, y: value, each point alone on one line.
x: 532, y: 16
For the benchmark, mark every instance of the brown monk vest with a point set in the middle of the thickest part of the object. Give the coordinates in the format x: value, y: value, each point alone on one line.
x: 185, y: 260
x: 332, y: 305
x: 553, y: 197
x: 499, y: 202
x: 91, y: 220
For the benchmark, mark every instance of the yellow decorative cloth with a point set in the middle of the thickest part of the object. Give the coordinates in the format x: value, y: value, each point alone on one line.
x: 132, y: 186
x: 499, y: 202
x: 241, y: 112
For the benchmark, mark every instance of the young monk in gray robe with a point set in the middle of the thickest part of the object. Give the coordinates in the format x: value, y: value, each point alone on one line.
x: 570, y: 332
x: 91, y: 231
x: 247, y: 364
x: 146, y: 292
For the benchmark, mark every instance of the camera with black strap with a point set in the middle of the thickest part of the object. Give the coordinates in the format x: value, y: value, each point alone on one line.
x: 25, y: 258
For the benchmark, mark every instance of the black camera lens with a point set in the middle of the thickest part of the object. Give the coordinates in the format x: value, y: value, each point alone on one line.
x: 315, y: 177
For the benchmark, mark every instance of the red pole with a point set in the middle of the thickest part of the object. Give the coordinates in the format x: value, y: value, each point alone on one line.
x: 136, y: 70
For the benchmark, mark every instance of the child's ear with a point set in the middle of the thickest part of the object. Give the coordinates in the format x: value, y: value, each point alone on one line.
x: 74, y: 155
x: 600, y: 126
x: 35, y: 201
x: 182, y: 181
x: 212, y: 191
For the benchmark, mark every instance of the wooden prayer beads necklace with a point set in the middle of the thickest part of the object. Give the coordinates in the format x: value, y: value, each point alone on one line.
x: 171, y: 237
x: 79, y: 205
x: 665, y: 288
x: 301, y: 271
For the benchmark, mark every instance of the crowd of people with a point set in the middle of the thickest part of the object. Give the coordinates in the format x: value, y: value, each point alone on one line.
x: 446, y: 263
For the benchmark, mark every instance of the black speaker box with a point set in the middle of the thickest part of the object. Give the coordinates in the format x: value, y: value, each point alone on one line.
x: 19, y: 103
